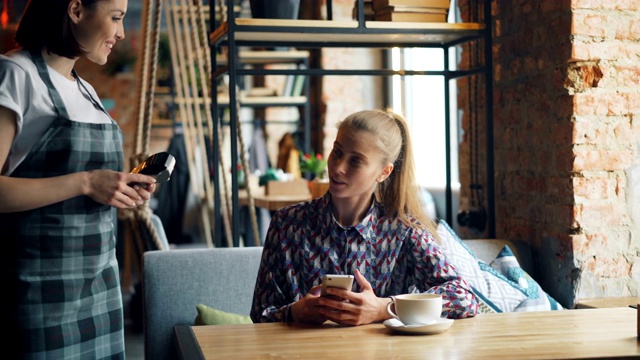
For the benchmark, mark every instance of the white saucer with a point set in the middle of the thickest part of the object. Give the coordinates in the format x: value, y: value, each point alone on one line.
x: 435, y: 327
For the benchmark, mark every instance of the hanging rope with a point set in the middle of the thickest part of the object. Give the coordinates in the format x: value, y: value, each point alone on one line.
x: 195, y: 51
x: 225, y: 195
x: 147, y: 75
x: 140, y: 237
x: 177, y: 61
x: 205, y: 51
x: 191, y: 105
x: 143, y: 71
x: 191, y: 62
x: 245, y: 167
x: 203, y: 39
x: 135, y: 219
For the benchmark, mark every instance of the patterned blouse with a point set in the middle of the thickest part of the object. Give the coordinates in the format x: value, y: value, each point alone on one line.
x: 304, y: 242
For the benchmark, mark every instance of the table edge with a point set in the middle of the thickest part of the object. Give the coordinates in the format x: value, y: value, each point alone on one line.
x: 186, y: 344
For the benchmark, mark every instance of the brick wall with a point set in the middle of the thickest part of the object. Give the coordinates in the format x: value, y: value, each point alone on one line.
x: 603, y: 77
x: 566, y: 95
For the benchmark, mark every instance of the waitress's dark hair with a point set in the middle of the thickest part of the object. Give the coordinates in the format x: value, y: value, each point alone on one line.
x: 46, y: 24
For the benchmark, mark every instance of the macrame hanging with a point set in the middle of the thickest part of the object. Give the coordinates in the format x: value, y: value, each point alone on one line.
x: 190, y: 57
x: 190, y: 109
x: 141, y: 232
x: 191, y: 60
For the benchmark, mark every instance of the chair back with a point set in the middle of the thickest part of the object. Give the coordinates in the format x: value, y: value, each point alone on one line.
x: 176, y: 281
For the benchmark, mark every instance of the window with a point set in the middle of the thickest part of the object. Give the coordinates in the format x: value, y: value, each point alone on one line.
x: 421, y: 99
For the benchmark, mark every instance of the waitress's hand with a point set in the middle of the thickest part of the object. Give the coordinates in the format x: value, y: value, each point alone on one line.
x: 307, y: 309
x: 355, y: 308
x: 145, y: 190
x: 112, y: 188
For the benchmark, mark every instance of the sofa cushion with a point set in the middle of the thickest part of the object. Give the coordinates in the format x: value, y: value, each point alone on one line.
x: 210, y: 316
x: 495, y: 292
x: 537, y: 300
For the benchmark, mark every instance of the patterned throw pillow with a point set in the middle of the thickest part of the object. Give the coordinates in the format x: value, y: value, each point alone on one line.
x: 537, y: 300
x: 485, y: 308
x: 495, y: 292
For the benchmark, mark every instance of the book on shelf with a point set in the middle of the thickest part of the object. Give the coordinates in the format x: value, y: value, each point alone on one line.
x: 412, y: 17
x: 442, y: 4
x: 298, y: 85
x: 288, y: 85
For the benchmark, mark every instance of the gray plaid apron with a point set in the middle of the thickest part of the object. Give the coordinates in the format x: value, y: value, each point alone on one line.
x: 61, y: 258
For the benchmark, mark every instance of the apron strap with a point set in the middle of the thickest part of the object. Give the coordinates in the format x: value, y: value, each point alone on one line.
x: 96, y: 104
x: 44, y: 75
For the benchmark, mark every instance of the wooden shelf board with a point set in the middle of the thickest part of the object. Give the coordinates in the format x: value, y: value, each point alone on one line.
x: 267, y: 100
x: 223, y: 100
x: 375, y: 32
x: 284, y: 23
x: 267, y: 57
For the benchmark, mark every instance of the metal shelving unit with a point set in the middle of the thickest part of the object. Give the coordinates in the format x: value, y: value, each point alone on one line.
x: 238, y: 32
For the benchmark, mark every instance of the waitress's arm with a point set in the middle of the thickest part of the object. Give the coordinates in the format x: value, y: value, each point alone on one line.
x: 104, y: 186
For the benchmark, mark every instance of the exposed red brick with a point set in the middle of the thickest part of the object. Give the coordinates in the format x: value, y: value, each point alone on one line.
x: 581, y: 76
x: 607, y: 267
x: 593, y: 188
x: 605, y: 132
x: 602, y: 160
x: 560, y: 187
x: 628, y: 29
x: 588, y: 104
x: 579, y: 243
x: 605, y: 4
x: 559, y: 214
x: 633, y: 99
x: 624, y: 134
x: 597, y: 215
x: 589, y: 24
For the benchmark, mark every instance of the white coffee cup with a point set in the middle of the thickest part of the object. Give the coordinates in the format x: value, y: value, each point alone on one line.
x: 416, y: 309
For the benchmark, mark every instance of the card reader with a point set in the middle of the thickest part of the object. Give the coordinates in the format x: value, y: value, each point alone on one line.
x: 159, y: 165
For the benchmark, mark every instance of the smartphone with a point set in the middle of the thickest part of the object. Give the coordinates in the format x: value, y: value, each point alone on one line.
x: 339, y: 281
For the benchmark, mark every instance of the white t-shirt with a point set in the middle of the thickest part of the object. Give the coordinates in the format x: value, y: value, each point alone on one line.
x: 23, y: 91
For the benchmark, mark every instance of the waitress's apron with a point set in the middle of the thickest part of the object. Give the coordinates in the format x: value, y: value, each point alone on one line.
x: 61, y: 259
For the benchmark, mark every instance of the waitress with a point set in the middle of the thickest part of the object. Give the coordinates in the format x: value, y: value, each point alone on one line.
x: 61, y: 159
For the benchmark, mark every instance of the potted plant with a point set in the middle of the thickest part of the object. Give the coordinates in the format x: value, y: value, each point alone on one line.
x: 315, y: 166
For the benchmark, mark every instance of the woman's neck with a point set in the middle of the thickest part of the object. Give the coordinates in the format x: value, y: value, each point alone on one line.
x: 60, y: 64
x: 350, y: 211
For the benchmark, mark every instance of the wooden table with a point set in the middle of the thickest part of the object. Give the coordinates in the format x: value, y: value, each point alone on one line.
x: 281, y: 193
x: 272, y: 202
x: 607, y: 302
x: 566, y: 334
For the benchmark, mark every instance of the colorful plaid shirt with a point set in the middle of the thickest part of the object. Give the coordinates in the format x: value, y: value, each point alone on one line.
x: 304, y: 242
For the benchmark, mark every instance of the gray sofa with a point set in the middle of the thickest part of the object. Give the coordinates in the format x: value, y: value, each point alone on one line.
x: 175, y: 281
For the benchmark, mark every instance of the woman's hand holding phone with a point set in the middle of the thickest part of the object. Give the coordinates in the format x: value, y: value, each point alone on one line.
x: 344, y: 282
